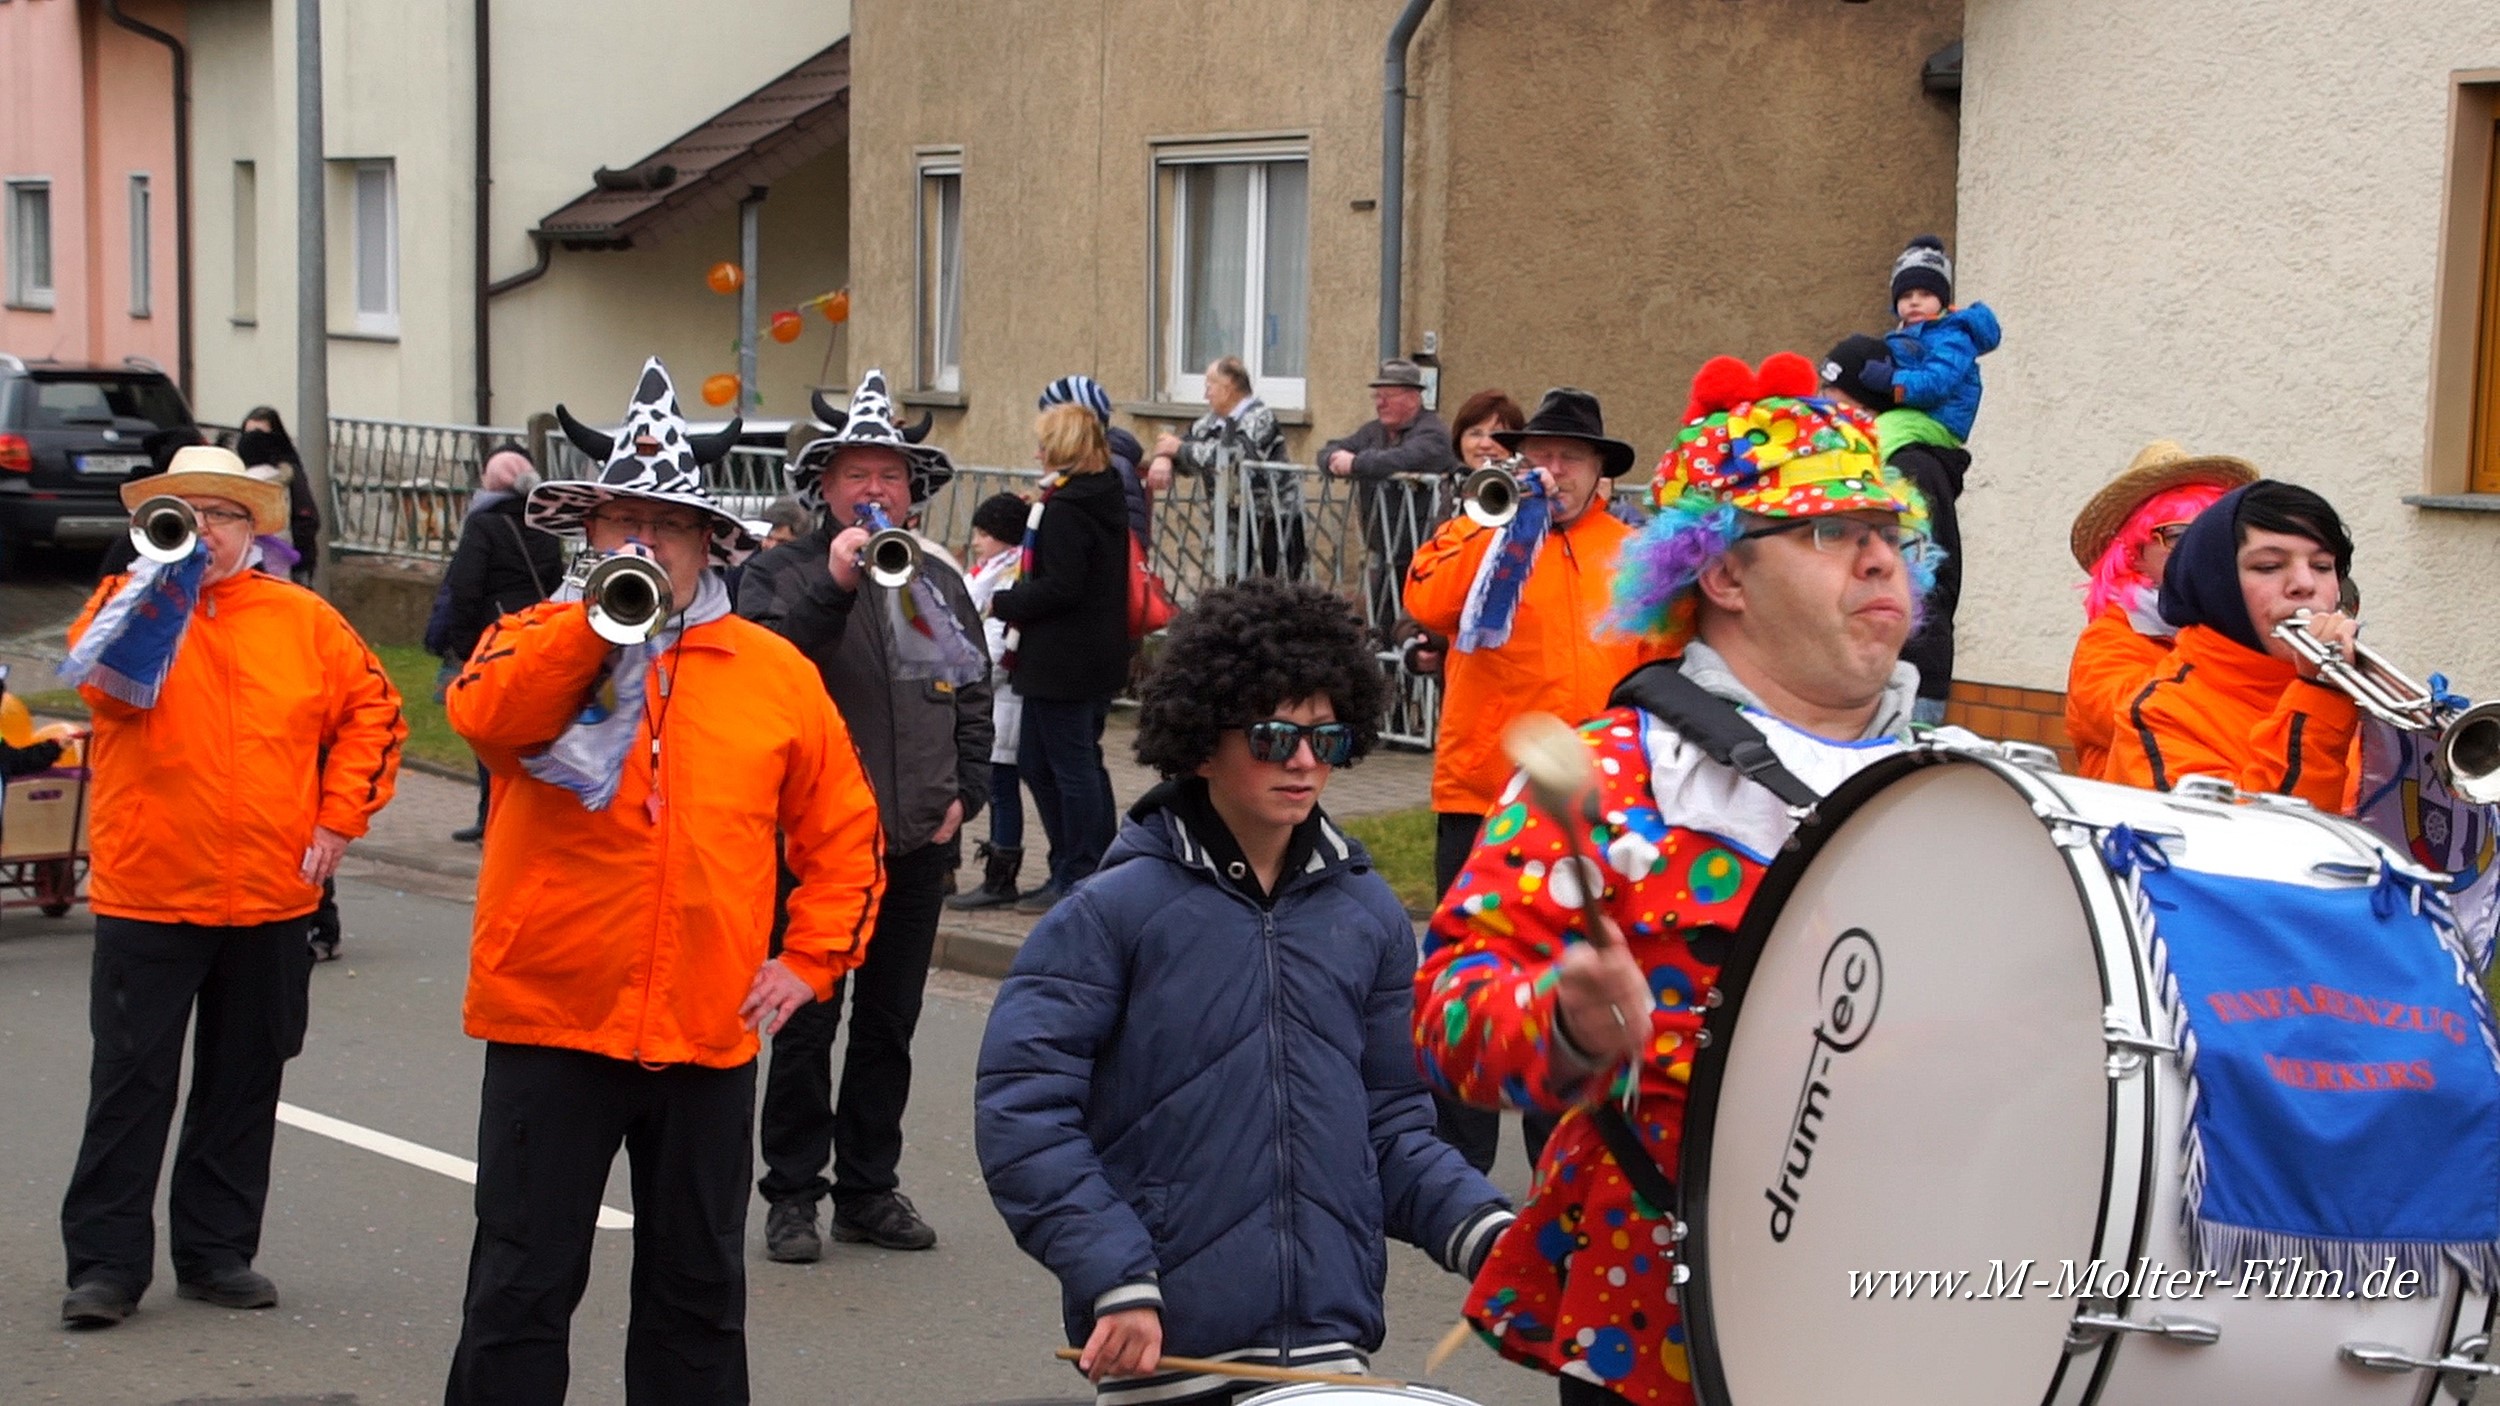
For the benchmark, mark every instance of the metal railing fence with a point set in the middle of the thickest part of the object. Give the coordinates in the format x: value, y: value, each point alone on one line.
x: 401, y: 490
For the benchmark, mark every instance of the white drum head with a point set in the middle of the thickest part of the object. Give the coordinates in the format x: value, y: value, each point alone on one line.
x: 1904, y: 1087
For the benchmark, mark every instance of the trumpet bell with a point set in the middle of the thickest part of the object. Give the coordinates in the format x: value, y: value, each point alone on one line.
x: 2469, y: 754
x: 892, y: 558
x: 164, y: 529
x: 1490, y: 496
x: 629, y: 599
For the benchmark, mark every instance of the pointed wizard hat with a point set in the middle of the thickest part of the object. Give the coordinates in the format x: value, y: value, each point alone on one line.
x: 651, y: 456
x: 869, y: 421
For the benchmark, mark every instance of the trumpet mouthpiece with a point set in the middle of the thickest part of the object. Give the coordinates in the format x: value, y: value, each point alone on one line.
x: 1549, y: 754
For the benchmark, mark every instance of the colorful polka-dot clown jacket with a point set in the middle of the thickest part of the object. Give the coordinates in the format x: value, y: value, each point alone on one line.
x: 1578, y: 1284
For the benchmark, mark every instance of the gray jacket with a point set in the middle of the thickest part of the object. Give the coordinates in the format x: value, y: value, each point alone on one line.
x: 1397, y: 515
x: 923, y: 743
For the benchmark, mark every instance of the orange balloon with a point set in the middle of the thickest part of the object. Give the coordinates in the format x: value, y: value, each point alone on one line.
x: 787, y: 326
x: 720, y: 389
x: 726, y: 278
x: 837, y: 306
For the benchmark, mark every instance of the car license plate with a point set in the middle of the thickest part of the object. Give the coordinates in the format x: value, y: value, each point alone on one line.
x: 111, y: 463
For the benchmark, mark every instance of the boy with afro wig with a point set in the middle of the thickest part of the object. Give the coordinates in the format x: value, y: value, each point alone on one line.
x: 1199, y: 1104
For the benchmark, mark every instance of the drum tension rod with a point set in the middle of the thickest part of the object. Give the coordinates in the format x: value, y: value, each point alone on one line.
x: 2128, y: 1045
x: 2379, y: 1357
x: 2090, y: 1328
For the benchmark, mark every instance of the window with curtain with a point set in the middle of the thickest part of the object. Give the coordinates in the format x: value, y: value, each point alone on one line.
x: 940, y: 274
x: 376, y: 249
x: 30, y: 244
x: 142, y: 255
x: 1235, y: 255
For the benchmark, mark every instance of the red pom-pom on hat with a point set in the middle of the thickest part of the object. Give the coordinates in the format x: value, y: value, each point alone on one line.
x: 1787, y: 373
x: 1722, y: 383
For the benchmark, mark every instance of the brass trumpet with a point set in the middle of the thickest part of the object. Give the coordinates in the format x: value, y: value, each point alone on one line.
x: 1490, y: 496
x: 164, y: 529
x: 2467, y: 752
x: 629, y: 598
x: 892, y: 556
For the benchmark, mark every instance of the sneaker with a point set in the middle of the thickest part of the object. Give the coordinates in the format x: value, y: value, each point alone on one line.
x: 239, y: 1287
x: 469, y: 835
x: 97, y: 1303
x: 790, y: 1233
x: 324, y: 949
x: 886, y: 1219
x: 1040, y: 900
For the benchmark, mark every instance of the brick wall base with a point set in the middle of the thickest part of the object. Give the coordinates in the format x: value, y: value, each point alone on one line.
x: 2014, y: 714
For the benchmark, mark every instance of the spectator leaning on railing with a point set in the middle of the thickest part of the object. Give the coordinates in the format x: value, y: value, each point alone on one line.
x: 1238, y: 429
x: 1401, y: 438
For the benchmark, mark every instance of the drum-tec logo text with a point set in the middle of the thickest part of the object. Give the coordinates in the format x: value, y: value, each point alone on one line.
x: 1849, y: 991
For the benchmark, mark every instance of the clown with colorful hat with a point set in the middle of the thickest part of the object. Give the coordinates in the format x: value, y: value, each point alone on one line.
x: 1783, y: 569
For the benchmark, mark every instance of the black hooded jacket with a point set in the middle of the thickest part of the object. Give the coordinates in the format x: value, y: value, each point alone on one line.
x: 1072, y: 606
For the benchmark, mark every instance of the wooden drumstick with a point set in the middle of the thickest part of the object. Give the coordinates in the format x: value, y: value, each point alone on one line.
x: 1450, y: 1343
x: 1563, y: 782
x: 1251, y: 1370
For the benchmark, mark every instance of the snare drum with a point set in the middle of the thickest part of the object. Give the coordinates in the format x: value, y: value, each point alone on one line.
x: 1939, y: 1052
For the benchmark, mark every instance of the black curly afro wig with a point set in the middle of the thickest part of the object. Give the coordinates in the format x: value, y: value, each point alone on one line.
x: 1243, y: 651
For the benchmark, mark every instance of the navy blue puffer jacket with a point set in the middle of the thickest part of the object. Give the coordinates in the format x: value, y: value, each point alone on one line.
x: 1192, y: 1102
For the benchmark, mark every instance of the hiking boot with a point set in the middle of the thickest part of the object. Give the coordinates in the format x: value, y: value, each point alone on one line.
x: 239, y: 1287
x: 97, y: 1303
x: 1040, y: 900
x: 998, y: 881
x: 886, y: 1219
x: 790, y: 1233
x: 469, y: 835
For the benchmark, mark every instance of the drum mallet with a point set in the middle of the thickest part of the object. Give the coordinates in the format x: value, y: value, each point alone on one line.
x: 1564, y: 785
x: 1252, y: 1371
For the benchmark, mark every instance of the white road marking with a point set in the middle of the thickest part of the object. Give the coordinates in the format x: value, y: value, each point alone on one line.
x: 414, y: 1154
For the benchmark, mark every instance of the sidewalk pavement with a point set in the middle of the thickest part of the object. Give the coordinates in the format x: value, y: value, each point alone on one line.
x: 414, y: 832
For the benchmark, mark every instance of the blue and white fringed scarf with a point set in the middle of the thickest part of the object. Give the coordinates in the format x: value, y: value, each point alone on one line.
x: 2343, y: 1076
x: 1493, y: 598
x: 589, y: 758
x: 930, y: 641
x: 130, y: 646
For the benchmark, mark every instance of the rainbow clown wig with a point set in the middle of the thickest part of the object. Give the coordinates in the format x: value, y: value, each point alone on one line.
x: 1757, y: 443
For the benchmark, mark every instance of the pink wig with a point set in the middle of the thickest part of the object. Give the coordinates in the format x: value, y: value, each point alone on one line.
x: 2116, y: 577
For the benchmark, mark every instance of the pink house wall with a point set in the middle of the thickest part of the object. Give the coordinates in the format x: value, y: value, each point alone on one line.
x: 87, y: 104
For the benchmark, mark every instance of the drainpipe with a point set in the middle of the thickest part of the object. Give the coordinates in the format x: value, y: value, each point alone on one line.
x: 182, y: 184
x: 482, y: 225
x: 750, y: 236
x: 1393, y: 173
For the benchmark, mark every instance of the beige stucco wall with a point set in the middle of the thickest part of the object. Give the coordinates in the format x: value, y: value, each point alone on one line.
x: 2215, y: 221
x: 242, y: 109
x: 1599, y: 194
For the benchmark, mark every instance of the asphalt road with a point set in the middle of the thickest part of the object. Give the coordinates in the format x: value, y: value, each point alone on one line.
x: 369, y: 1252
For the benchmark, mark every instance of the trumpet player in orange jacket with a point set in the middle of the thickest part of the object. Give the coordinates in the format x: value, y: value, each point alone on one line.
x: 2231, y: 700
x: 243, y: 736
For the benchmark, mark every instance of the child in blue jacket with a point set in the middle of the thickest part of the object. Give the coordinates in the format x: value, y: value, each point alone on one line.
x: 1934, y: 364
x: 1198, y: 1101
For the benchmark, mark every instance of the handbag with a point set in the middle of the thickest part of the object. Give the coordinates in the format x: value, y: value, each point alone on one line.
x: 1150, y: 606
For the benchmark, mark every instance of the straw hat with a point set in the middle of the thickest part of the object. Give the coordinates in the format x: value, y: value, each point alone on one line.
x: 2158, y: 467
x: 206, y: 471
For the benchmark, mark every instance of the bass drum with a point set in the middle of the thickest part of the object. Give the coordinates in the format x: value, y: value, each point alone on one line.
x: 1936, y: 1055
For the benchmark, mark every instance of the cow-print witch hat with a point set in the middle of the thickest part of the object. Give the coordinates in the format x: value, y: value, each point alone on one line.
x: 869, y: 421
x: 652, y: 457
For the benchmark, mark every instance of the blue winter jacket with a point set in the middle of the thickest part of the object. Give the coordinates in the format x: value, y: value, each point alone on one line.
x: 1188, y: 1102
x: 1935, y: 365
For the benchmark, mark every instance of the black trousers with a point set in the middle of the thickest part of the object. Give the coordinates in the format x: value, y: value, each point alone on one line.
x: 862, y: 1133
x: 1475, y: 1132
x: 549, y: 1123
x: 251, y: 987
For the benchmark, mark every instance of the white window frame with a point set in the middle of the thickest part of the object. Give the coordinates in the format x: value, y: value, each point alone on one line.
x: 382, y: 321
x: 142, y: 247
x: 1185, y: 385
x: 23, y: 291
x: 930, y: 286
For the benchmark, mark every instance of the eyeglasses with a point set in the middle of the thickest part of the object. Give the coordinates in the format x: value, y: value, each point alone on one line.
x: 2169, y: 533
x: 223, y: 517
x: 649, y: 528
x: 1275, y: 741
x: 1848, y: 535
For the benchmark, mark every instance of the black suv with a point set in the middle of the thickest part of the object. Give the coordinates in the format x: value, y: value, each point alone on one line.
x: 70, y: 437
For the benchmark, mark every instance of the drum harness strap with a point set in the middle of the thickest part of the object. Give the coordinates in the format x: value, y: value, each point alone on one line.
x: 1722, y: 732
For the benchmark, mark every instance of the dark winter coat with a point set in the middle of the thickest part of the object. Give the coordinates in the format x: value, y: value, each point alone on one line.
x: 924, y: 743
x: 1127, y: 459
x: 1938, y: 472
x: 491, y: 572
x: 1189, y: 1100
x: 1072, y: 605
x: 1397, y: 513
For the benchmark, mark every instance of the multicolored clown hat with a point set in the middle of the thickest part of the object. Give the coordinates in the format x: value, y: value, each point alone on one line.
x: 651, y: 456
x: 1757, y: 442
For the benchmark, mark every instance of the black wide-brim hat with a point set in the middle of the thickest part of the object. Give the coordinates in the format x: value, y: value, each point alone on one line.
x: 1568, y: 412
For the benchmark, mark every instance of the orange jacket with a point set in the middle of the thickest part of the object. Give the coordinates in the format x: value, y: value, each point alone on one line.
x: 634, y: 932
x: 1555, y: 662
x: 2218, y: 708
x: 274, y: 719
x: 2112, y: 660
